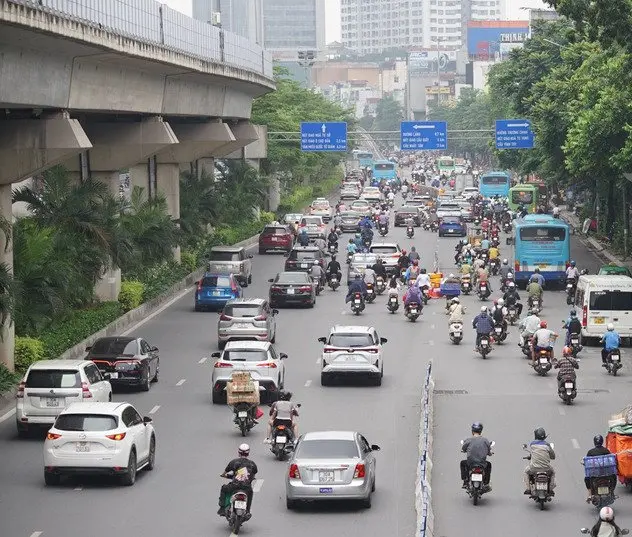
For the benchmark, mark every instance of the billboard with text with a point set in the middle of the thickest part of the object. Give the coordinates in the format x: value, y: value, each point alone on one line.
x: 424, y: 62
x: 488, y: 40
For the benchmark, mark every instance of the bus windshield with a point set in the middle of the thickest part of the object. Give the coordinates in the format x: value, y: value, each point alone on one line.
x: 446, y: 162
x: 542, y: 234
x: 494, y: 180
x: 522, y: 196
x: 383, y: 167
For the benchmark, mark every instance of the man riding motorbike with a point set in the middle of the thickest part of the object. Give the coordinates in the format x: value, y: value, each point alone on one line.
x: 512, y: 298
x: 404, y: 261
x: 528, y: 326
x: 541, y: 456
x: 243, y: 472
x: 483, y: 324
x: 566, y: 365
x: 538, y: 277
x: 320, y: 243
x: 283, y: 410
x: 543, y: 339
x: 383, y: 220
x: 611, y: 341
x: 379, y: 269
x: 478, y: 448
x: 573, y: 326
x: 504, y: 270
x: 572, y: 273
x: 414, y: 255
x: 332, y: 238
x: 351, y: 247
x: 482, y: 275
x: 456, y: 311
x: 498, y: 314
x: 534, y: 290
x: 423, y: 280
x: 369, y: 275
x: 334, y: 269
x: 318, y: 274
x: 356, y: 286
x: 303, y: 237
x: 412, y: 271
x: 357, y: 240
x: 596, y: 452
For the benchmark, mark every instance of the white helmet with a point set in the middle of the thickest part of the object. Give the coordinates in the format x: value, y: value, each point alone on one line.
x: 505, y: 262
x: 243, y: 450
x: 610, y: 327
x: 500, y: 302
x: 455, y: 300
x: 606, y: 514
x: 483, y: 309
x: 510, y: 275
x: 451, y: 276
x: 512, y: 285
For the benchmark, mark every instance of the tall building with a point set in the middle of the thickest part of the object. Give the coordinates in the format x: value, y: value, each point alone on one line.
x: 242, y: 17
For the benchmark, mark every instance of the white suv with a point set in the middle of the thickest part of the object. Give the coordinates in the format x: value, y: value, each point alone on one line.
x: 49, y: 386
x: 351, y: 351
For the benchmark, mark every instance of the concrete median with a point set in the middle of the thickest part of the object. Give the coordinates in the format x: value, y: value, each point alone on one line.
x: 423, y: 489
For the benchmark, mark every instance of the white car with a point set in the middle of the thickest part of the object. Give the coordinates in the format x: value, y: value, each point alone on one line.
x: 469, y: 192
x: 372, y: 194
x: 361, y: 206
x: 389, y: 253
x: 49, y: 386
x: 259, y: 358
x: 99, y: 438
x: 352, y: 351
x: 320, y: 207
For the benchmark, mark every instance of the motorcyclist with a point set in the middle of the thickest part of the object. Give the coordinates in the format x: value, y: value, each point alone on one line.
x: 390, y: 196
x: 478, y: 448
x: 504, y: 270
x: 356, y: 286
x: 498, y: 314
x: 393, y: 286
x: 512, y: 298
x: 366, y: 223
x: 540, y: 461
x: 332, y: 238
x: 528, y: 326
x: 572, y: 273
x: 573, y: 326
x: 566, y: 365
x: 423, y: 280
x: 538, y: 277
x: 611, y: 341
x: 493, y: 252
x: 456, y: 311
x: 482, y: 275
x: 597, y: 451
x: 412, y: 295
x: 383, y: 220
x: 369, y: 275
x: 320, y: 243
x: 483, y: 324
x: 283, y: 410
x: 485, y: 244
x: 358, y: 242
x: 366, y: 234
x: 412, y: 271
x: 543, y: 339
x: 337, y: 220
x: 379, y: 269
x: 317, y: 273
x: 352, y: 248
x: 334, y: 269
x: 404, y: 261
x: 534, y: 290
x: 414, y: 255
x: 243, y: 472
x: 605, y: 526
x: 303, y: 237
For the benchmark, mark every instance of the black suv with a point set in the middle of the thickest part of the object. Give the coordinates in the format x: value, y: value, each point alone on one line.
x: 301, y: 258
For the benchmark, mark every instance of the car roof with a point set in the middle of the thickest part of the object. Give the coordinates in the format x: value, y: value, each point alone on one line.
x: 351, y: 329
x: 257, y: 345
x: 390, y: 244
x: 359, y: 202
x: 306, y: 248
x: 291, y: 272
x: 227, y: 248
x: 59, y: 364
x: 329, y: 435
x: 211, y: 274
x: 607, y: 279
x: 257, y: 301
x: 95, y: 408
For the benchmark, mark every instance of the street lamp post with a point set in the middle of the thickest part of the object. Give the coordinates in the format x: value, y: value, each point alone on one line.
x: 307, y: 58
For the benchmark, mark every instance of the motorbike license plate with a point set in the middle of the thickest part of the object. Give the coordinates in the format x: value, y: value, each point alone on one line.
x: 290, y: 291
x: 326, y: 476
x: 240, y: 504
x: 574, y: 341
x: 242, y: 414
x: 542, y: 486
x: 544, y: 361
x: 457, y: 333
x: 413, y: 310
x: 303, y: 265
x: 499, y: 330
x: 83, y: 447
x: 52, y: 402
x: 615, y: 357
x: 484, y: 342
x: 357, y: 302
x: 602, y: 491
x: 281, y: 439
x: 369, y: 291
x: 599, y: 320
x: 466, y: 285
x: 568, y: 385
x: 477, y: 477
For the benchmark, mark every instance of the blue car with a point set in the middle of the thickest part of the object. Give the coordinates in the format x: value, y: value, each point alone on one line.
x: 452, y: 226
x: 214, y: 290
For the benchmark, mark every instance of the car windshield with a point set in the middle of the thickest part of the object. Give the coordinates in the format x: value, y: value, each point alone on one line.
x: 302, y: 255
x: 242, y: 310
x: 293, y: 277
x: 449, y: 220
x: 275, y: 231
x: 216, y: 281
x: 121, y: 347
x: 316, y: 221
x: 224, y: 256
x: 244, y: 355
x: 382, y: 250
x: 86, y: 422
x: 327, y: 449
x: 360, y: 203
x: 351, y: 340
x: 350, y: 215
x: 320, y: 205
x: 53, y: 378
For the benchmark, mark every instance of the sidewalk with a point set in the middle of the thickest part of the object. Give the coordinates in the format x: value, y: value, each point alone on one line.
x: 593, y: 245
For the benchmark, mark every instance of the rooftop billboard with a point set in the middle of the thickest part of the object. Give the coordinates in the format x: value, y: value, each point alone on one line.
x: 492, y: 39
x: 424, y: 62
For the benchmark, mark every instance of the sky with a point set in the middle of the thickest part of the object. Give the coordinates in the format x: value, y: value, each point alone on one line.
x: 332, y: 10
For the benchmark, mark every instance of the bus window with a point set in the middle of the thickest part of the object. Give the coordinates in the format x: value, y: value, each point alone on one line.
x: 383, y: 167
x: 494, y: 180
x: 524, y: 197
x: 542, y: 234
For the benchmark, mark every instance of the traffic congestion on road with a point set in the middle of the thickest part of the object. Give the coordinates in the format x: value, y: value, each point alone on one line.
x: 355, y: 369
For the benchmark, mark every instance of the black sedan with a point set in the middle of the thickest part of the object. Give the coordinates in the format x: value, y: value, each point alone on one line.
x: 129, y: 361
x: 406, y: 212
x: 292, y: 288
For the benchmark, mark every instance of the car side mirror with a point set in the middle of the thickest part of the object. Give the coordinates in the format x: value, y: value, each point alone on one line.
x: 271, y: 280
x: 283, y: 356
x: 625, y: 531
x: 154, y: 349
x: 509, y: 241
x: 383, y: 340
x: 216, y: 354
x: 147, y: 420
x: 322, y: 340
x: 375, y: 447
x: 88, y: 349
x: 275, y: 312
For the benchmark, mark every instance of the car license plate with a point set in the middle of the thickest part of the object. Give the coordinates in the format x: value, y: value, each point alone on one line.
x: 217, y: 293
x: 542, y: 486
x: 599, y: 320
x: 543, y: 361
x: 114, y: 376
x: 83, y: 447
x: 290, y: 291
x: 242, y: 414
x: 241, y: 325
x: 477, y: 477
x: 303, y: 265
x: 325, y: 490
x: 450, y: 231
x: 52, y: 402
x: 326, y: 476
x: 239, y: 504
x: 281, y: 439
x: 349, y: 358
x: 568, y: 385
x: 603, y: 490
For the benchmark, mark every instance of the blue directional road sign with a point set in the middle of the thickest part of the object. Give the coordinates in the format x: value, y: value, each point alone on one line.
x: 324, y: 136
x: 423, y: 135
x: 514, y: 134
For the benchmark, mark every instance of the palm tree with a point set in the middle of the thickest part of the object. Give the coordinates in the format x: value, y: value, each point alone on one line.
x: 199, y: 204
x: 7, y: 295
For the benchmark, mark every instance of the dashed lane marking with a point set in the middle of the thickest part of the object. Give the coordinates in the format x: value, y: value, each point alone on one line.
x: 308, y: 383
x: 432, y: 326
x: 561, y: 411
x: 431, y: 343
x: 155, y: 409
x: 36, y: 533
x: 202, y: 360
x: 181, y: 382
x: 78, y: 488
x: 575, y: 443
x: 256, y: 486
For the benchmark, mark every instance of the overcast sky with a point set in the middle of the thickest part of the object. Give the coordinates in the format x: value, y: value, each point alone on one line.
x: 333, y: 12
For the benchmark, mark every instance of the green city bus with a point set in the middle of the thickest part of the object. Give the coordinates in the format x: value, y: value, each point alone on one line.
x: 524, y: 194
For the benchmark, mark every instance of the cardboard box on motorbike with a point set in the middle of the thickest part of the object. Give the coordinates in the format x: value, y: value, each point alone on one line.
x: 242, y: 389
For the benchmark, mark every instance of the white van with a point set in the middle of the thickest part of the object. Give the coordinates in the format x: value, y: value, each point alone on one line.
x: 603, y: 300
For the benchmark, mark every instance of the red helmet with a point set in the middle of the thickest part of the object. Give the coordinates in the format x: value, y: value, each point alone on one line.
x: 403, y: 252
x: 543, y: 324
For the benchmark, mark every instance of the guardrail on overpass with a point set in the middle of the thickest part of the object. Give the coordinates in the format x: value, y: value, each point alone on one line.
x: 152, y: 22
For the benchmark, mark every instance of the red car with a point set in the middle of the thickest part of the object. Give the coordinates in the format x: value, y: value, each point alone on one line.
x: 276, y: 237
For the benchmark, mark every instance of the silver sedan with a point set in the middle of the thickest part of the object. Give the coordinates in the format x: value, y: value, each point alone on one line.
x: 331, y: 465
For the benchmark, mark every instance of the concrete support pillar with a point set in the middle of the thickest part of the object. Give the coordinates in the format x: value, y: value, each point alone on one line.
x: 168, y: 183
x: 244, y: 133
x: 7, y: 332
x: 207, y: 164
x: 274, y: 194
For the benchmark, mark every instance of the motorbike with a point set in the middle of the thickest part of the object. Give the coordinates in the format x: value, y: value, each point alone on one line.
x: 349, y: 257
x: 320, y: 285
x: 404, y: 195
x: 333, y: 282
x: 434, y: 225
x: 535, y: 305
x: 475, y: 488
x: 571, y: 285
x: 370, y: 293
x: 413, y: 311
x: 383, y: 230
x: 613, y: 362
x: 366, y: 242
x: 512, y: 314
x: 485, y: 346
x: 410, y: 232
x: 456, y: 333
x: 332, y: 248
x: 483, y: 291
x: 380, y: 285
x: 236, y: 508
x: 526, y: 346
x: 466, y: 285
x: 624, y: 531
x: 282, y: 440
x: 575, y: 345
x: 402, y: 275
x: 357, y: 303
x: 242, y: 417
x: 539, y: 484
x: 500, y: 334
x: 568, y: 390
x: 425, y: 294
x: 505, y: 284
x: 393, y: 303
x: 494, y: 265
x: 391, y: 203
x: 543, y: 362
x: 495, y: 241
x: 507, y: 227
x: 602, y: 490
x: 484, y: 256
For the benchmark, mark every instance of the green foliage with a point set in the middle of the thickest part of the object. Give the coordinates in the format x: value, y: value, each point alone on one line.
x: 131, y: 295
x: 7, y: 289
x: 156, y: 279
x: 302, y: 196
x: 67, y: 331
x: 189, y: 261
x: 27, y: 351
x: 7, y: 379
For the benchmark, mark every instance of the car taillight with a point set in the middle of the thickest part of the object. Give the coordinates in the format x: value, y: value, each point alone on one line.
x: 224, y: 317
x: 267, y: 364
x: 373, y: 351
x: 85, y: 391
x: 275, y: 288
x: 294, y: 473
x: 117, y: 436
x: 52, y: 436
x: 260, y: 318
x: 360, y: 471
x: 21, y: 387
x: 222, y: 364
x: 329, y: 349
x: 305, y: 288
x: 241, y: 497
x: 199, y: 286
x: 585, y: 316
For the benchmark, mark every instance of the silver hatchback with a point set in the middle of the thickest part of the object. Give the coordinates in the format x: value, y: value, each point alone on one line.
x: 246, y: 318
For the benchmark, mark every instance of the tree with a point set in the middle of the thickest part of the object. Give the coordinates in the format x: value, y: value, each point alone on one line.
x: 388, y: 114
x: 7, y: 295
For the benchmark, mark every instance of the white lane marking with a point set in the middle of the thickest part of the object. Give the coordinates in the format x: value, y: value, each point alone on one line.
x: 256, y: 486
x: 432, y: 326
x: 202, y: 360
x: 317, y: 360
x: 431, y: 343
x: 36, y: 533
x: 343, y: 312
x: 434, y: 312
x: 181, y: 382
x: 575, y: 443
x: 562, y: 411
x: 78, y: 488
x: 308, y: 383
x: 157, y: 312
x: 155, y: 409
x: 7, y: 415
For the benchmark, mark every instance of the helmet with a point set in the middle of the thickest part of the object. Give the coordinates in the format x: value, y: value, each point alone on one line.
x: 606, y: 514
x: 357, y: 276
x: 403, y: 252
x: 567, y: 351
x: 539, y: 433
x: 537, y: 270
x: 598, y: 440
x: 483, y: 309
x: 369, y: 266
x: 501, y: 302
x: 315, y: 262
x: 512, y: 285
x: 505, y: 262
x: 350, y: 240
x: 243, y: 450
x: 413, y: 249
x: 412, y: 281
x: 455, y: 300
x: 543, y: 324
x: 573, y: 313
x: 573, y: 263
x: 610, y: 327
x: 422, y: 271
x: 358, y: 235
x: 451, y: 276
x: 477, y: 427
x: 510, y: 275
x: 416, y: 261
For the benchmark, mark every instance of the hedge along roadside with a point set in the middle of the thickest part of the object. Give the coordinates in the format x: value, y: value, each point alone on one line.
x: 423, y: 490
